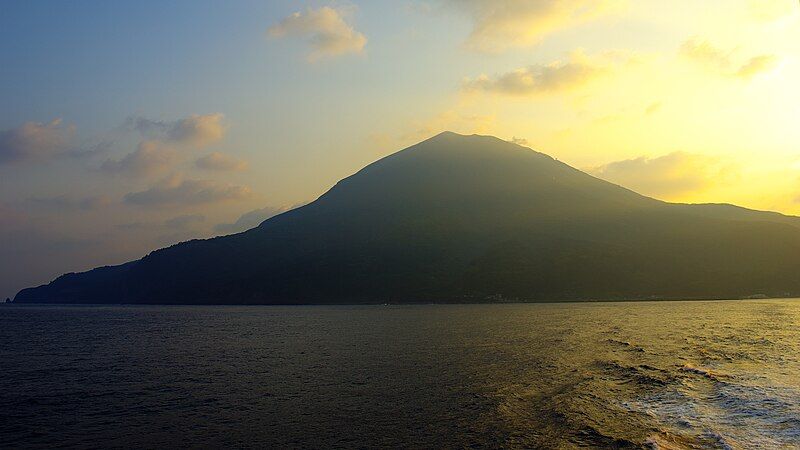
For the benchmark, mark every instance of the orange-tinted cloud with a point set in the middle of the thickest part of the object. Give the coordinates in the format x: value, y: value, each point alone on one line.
x: 150, y: 157
x: 34, y: 141
x: 159, y: 153
x: 198, y: 130
x: 326, y: 29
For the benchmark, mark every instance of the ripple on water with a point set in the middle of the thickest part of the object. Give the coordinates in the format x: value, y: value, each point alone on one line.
x: 626, y: 375
x: 723, y: 411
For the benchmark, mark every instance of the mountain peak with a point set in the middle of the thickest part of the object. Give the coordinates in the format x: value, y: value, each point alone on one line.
x: 463, y: 218
x: 452, y: 135
x: 455, y: 147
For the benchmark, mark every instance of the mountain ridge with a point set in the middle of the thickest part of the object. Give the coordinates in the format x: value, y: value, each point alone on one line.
x: 460, y: 219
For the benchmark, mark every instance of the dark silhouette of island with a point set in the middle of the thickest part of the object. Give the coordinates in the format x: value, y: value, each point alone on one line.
x: 464, y: 219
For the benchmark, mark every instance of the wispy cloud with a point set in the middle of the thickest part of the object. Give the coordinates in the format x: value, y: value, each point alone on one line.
x: 520, y: 141
x: 723, y: 61
x: 175, y: 190
x: 557, y: 76
x: 146, y: 126
x: 449, y: 120
x: 67, y: 203
x: 666, y: 176
x: 502, y: 24
x: 184, y: 221
x: 771, y: 10
x: 757, y: 65
x: 220, y: 162
x: 197, y: 130
x: 252, y: 219
x: 328, y: 33
x: 34, y: 253
x: 653, y: 108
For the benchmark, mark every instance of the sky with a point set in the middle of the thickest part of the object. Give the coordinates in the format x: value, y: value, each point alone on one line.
x: 130, y: 126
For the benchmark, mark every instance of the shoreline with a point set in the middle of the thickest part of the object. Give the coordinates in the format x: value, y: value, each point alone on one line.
x: 421, y: 303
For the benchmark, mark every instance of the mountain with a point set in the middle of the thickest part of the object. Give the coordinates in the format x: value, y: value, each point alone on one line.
x: 460, y: 219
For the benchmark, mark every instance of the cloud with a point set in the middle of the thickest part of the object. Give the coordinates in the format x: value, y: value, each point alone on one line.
x: 175, y: 190
x: 757, y: 65
x: 131, y: 226
x: 150, y: 157
x: 251, y: 219
x: 520, y: 141
x: 557, y: 76
x: 220, y: 162
x: 184, y: 221
x: 452, y: 120
x: 147, y: 127
x: 771, y: 10
x: 329, y: 35
x: 665, y: 176
x: 653, y: 108
x: 196, y: 130
x: 703, y: 52
x: 35, y: 251
x: 158, y: 153
x: 502, y: 24
x: 97, y: 149
x: 34, y: 141
x: 66, y: 203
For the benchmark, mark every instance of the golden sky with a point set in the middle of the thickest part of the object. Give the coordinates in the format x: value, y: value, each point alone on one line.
x: 704, y: 109
x: 122, y: 131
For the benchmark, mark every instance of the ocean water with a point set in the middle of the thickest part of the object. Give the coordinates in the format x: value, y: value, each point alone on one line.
x: 723, y: 374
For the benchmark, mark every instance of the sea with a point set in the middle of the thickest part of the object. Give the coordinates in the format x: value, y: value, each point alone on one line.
x: 659, y: 375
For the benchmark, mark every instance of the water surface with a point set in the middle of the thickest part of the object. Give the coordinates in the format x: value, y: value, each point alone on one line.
x: 654, y: 374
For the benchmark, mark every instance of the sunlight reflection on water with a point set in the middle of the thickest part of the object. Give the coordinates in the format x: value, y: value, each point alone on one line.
x: 666, y: 374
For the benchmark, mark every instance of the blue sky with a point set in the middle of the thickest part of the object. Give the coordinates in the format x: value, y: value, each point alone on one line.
x: 126, y: 126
